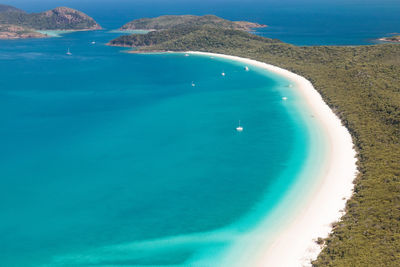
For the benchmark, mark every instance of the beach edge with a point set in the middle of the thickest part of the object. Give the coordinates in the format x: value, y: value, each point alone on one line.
x: 296, y: 245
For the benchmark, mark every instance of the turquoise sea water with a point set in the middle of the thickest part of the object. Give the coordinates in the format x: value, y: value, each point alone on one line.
x: 109, y: 158
x: 114, y: 159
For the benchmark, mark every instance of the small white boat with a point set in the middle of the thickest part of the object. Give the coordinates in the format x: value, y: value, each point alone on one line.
x: 69, y: 53
x: 284, y: 98
x: 186, y: 55
x: 93, y: 42
x: 239, y: 128
x: 246, y: 68
x: 223, y: 74
x: 193, y: 84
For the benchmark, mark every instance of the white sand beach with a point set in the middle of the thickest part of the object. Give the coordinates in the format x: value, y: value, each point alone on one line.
x: 295, y: 245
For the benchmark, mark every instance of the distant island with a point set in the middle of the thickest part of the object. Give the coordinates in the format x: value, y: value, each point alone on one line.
x: 395, y: 39
x: 17, y: 24
x: 171, y: 21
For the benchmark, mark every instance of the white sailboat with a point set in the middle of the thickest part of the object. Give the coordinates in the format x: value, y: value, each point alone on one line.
x: 69, y: 53
x: 239, y: 128
x: 193, y: 84
x: 223, y: 73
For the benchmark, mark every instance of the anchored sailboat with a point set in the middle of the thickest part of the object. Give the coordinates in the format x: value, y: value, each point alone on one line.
x: 239, y: 128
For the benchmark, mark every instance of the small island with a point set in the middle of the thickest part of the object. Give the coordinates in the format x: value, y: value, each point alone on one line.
x: 171, y: 21
x: 17, y: 24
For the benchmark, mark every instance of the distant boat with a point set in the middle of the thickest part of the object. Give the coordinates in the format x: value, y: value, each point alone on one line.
x: 69, y: 53
x: 239, y: 128
x: 93, y: 42
x: 284, y: 98
x: 186, y: 55
x: 193, y: 84
x: 223, y: 74
x: 246, y: 68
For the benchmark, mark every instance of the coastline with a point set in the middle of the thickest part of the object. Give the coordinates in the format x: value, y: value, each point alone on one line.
x: 60, y: 32
x: 41, y: 34
x: 389, y: 40
x: 295, y: 243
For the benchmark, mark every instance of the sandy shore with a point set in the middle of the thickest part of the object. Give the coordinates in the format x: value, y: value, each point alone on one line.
x: 295, y: 245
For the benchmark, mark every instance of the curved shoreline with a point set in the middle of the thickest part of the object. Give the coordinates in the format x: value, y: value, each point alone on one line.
x: 295, y: 245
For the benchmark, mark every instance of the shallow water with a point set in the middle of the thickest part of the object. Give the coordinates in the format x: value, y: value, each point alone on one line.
x: 109, y: 158
x: 114, y: 158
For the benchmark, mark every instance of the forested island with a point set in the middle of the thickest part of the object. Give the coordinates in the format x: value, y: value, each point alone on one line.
x: 17, y: 24
x: 171, y: 21
x: 361, y: 85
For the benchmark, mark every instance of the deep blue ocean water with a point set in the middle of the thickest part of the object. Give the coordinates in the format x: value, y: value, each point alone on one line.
x: 109, y: 158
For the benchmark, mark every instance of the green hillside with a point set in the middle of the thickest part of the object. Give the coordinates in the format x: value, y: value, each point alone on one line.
x: 171, y: 21
x: 194, y: 36
x: 61, y: 18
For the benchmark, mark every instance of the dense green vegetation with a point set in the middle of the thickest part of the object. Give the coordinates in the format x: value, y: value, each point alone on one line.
x: 61, y: 18
x: 187, y: 35
x: 170, y: 21
x: 362, y: 85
